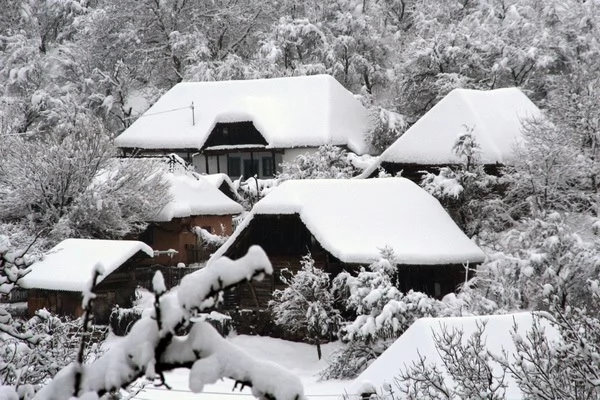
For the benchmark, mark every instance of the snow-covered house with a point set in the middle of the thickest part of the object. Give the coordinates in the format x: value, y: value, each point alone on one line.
x: 248, y: 127
x: 345, y: 223
x: 56, y: 281
x: 195, y: 204
x: 419, y: 341
x: 495, y: 117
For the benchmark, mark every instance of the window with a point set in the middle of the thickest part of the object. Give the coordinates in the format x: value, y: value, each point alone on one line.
x: 250, y: 168
x: 267, y: 166
x: 234, y: 166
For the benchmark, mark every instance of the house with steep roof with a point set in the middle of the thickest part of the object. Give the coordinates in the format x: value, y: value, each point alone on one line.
x: 56, y: 282
x: 495, y: 118
x: 418, y: 341
x: 344, y: 224
x: 249, y: 127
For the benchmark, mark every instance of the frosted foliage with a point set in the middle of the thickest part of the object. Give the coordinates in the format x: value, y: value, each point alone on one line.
x: 386, y: 127
x: 465, y: 188
x: 67, y: 183
x: 539, y: 257
x: 555, y: 170
x: 151, y: 347
x: 328, y: 162
x: 443, y: 185
x: 382, y: 312
x: 306, y: 305
x: 209, y: 239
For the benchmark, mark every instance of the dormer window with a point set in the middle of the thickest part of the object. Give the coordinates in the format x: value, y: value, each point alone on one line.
x: 234, y: 134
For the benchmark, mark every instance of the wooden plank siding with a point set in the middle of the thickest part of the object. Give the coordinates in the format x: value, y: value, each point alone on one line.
x: 177, y: 235
x: 415, y: 172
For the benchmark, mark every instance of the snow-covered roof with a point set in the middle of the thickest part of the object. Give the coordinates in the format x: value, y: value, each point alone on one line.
x: 70, y: 264
x: 288, y: 112
x: 495, y: 116
x: 192, y: 195
x: 354, y: 218
x: 418, y: 340
x: 217, y: 179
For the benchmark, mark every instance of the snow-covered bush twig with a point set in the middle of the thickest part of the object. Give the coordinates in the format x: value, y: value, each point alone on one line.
x: 208, y: 239
x: 150, y: 349
x: 466, y: 360
x: 86, y: 303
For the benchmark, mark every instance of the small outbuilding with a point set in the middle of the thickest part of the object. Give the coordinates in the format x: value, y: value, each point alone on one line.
x: 248, y: 127
x: 195, y: 203
x: 345, y: 223
x: 419, y: 341
x: 56, y: 282
x: 495, y: 117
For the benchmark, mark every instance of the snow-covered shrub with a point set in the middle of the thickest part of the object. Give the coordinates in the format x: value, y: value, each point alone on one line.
x: 382, y: 313
x: 307, y: 306
x: 37, y: 348
x: 466, y: 190
x: 327, y: 162
x: 386, y: 127
x: 537, y: 258
x: 252, y: 190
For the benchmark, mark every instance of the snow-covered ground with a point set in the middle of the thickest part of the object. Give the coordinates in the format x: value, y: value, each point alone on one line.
x: 299, y: 358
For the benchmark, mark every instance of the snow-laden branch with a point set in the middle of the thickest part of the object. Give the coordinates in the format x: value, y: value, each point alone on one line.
x: 151, y: 348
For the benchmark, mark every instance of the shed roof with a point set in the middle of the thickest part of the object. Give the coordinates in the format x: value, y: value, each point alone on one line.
x: 496, y: 117
x: 193, y: 195
x: 418, y: 340
x: 289, y: 112
x: 70, y: 264
x: 353, y: 219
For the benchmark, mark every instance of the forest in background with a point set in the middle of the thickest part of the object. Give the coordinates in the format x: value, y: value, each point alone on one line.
x: 60, y: 59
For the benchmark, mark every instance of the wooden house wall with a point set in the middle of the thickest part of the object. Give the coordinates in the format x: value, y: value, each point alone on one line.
x: 415, y: 172
x: 286, y: 240
x: 177, y: 235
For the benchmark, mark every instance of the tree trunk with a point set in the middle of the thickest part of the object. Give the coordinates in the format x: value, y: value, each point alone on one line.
x: 319, y: 349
